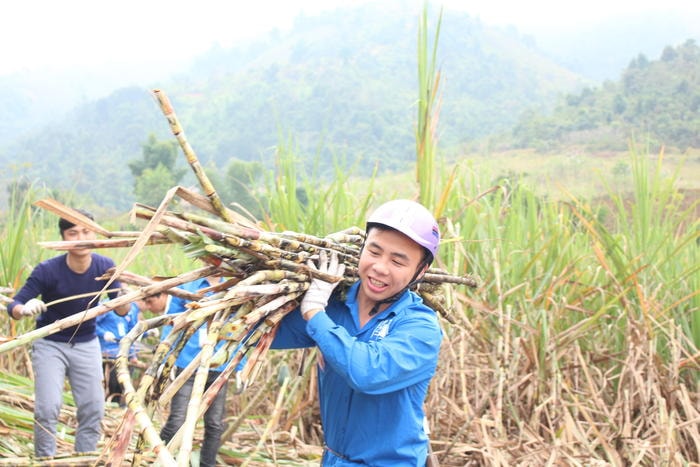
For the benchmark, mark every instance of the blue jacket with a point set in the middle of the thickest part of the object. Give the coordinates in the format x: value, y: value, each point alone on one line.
x: 117, y: 325
x: 194, y: 343
x: 372, y: 381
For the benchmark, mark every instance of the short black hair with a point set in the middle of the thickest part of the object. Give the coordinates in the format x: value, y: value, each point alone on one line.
x: 65, y: 224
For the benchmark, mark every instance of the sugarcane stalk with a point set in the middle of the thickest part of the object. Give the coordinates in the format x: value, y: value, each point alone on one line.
x: 208, y: 397
x: 276, y: 303
x: 435, y: 277
x: 127, y: 277
x: 167, y: 109
x: 183, y: 375
x: 246, y: 231
x: 102, y: 308
x: 192, y: 415
x: 274, y: 288
x: 274, y: 419
x: 198, y: 387
x: 72, y: 215
x: 115, y: 450
x: 134, y: 398
x: 82, y: 295
x: 64, y: 245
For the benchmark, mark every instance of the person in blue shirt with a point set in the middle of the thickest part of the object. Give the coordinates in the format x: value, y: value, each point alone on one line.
x: 73, y: 352
x: 214, y: 416
x: 110, y: 328
x: 378, y: 346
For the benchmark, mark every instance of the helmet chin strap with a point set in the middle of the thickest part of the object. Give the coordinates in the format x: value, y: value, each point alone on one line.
x: 415, y: 280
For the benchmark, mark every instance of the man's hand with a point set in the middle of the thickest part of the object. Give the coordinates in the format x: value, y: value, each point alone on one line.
x: 109, y: 337
x: 316, y: 297
x: 33, y: 307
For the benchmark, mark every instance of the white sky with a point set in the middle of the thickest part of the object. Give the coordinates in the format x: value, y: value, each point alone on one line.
x: 36, y: 34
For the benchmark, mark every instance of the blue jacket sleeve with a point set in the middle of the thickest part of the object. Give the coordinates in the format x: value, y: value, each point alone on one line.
x: 407, y: 355
x: 291, y: 333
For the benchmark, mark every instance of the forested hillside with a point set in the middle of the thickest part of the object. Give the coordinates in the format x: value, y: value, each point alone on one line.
x: 340, y: 84
x: 655, y: 101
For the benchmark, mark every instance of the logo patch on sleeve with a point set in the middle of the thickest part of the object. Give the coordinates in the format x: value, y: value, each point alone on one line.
x: 381, y: 330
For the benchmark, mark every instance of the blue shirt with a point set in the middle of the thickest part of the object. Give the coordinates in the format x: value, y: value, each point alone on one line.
x: 117, y: 325
x: 195, y: 342
x: 53, y: 280
x: 372, y: 381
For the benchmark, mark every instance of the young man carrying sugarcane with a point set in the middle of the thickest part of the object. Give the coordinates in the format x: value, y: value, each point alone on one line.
x: 378, y: 346
x: 73, y: 352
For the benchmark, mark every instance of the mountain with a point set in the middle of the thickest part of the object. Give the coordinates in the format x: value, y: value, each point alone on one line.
x: 601, y: 49
x: 341, y: 84
x: 655, y: 101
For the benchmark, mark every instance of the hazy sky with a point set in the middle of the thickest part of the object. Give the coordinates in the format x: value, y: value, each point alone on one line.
x: 35, y: 34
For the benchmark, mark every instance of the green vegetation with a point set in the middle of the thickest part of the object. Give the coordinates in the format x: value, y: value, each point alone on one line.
x: 155, y: 174
x: 582, y: 340
x: 346, y: 95
x: 658, y: 100
x: 566, y: 286
x: 343, y: 84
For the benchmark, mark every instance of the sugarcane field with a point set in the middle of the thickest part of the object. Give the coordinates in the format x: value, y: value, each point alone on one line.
x: 558, y: 348
x: 310, y: 263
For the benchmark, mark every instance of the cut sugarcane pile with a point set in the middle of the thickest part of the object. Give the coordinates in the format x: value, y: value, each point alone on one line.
x: 16, y: 426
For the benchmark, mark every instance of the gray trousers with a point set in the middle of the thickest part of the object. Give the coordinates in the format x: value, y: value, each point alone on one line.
x: 213, y: 419
x: 82, y: 364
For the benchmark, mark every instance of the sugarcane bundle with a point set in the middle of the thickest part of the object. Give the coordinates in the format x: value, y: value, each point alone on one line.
x: 267, y: 275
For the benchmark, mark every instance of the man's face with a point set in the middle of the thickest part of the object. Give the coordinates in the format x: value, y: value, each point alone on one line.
x: 387, y: 264
x: 77, y: 233
x: 156, y: 303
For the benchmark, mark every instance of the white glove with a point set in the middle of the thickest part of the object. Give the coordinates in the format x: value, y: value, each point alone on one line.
x: 109, y: 337
x: 152, y: 333
x: 33, y: 307
x: 316, y: 297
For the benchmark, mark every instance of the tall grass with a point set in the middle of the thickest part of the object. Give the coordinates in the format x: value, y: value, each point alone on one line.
x: 583, y: 326
x: 567, y: 293
x: 21, y: 226
x: 582, y: 342
x: 307, y: 202
x: 581, y: 345
x: 654, y: 250
x: 428, y: 110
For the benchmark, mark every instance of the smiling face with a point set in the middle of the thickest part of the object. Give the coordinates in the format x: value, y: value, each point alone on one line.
x: 388, y: 263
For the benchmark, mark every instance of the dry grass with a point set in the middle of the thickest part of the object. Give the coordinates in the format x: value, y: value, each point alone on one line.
x: 491, y: 403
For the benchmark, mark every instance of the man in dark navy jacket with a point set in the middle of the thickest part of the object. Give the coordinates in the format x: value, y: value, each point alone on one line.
x: 73, y: 352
